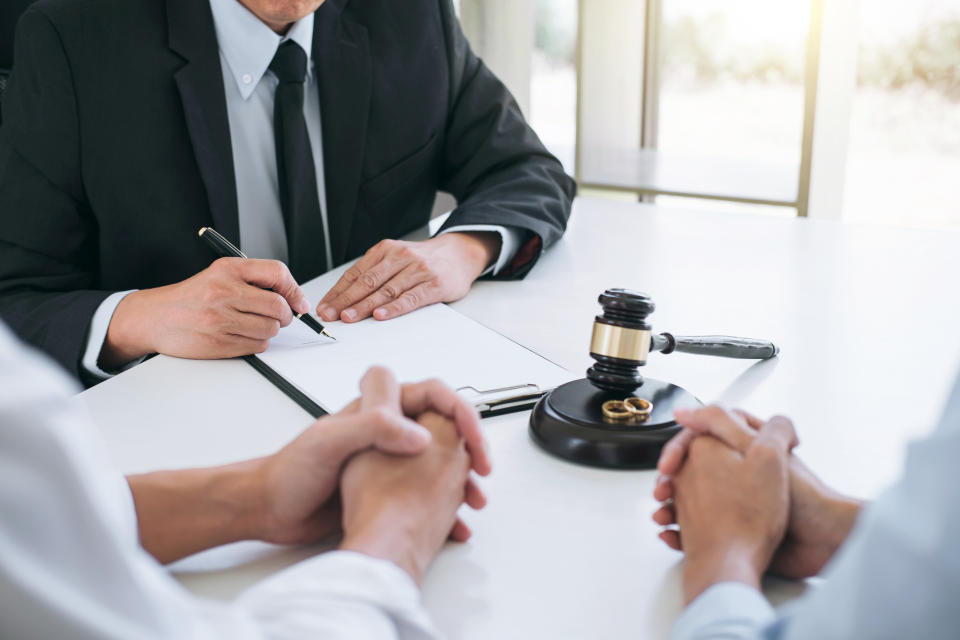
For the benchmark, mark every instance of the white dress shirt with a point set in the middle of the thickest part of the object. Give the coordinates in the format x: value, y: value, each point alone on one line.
x: 71, y: 565
x: 897, y: 576
x: 247, y: 47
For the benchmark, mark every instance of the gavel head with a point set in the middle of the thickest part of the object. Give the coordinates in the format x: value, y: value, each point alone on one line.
x: 621, y: 340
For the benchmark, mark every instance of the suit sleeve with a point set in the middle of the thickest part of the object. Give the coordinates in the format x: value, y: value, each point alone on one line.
x: 493, y: 162
x: 48, y: 246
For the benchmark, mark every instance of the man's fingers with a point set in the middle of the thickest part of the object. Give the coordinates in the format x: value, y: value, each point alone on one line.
x: 674, y: 452
x: 752, y: 421
x: 777, y: 437
x: 406, y: 279
x: 378, y: 388
x: 341, y: 436
x: 252, y: 326
x: 665, y: 515
x: 474, y: 496
x: 663, y: 489
x: 719, y: 423
x: 274, y: 275
x: 436, y: 396
x: 330, y: 306
x: 672, y: 539
x: 268, y: 304
x: 231, y: 346
x: 419, y: 296
x: 460, y: 532
x: 366, y: 285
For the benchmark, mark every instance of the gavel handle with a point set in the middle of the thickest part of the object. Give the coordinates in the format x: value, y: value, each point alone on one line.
x: 721, y: 346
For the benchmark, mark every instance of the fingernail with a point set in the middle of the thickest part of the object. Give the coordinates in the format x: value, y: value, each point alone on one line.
x: 350, y: 314
x: 304, y: 306
x: 380, y: 314
x: 327, y: 313
x: 417, y: 436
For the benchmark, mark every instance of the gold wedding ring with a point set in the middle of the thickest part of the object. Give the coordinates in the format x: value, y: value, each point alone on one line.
x: 616, y: 410
x: 639, y: 407
x: 631, y: 410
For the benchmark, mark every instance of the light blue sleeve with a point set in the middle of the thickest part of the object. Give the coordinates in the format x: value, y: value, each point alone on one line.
x: 727, y: 610
x: 898, y: 575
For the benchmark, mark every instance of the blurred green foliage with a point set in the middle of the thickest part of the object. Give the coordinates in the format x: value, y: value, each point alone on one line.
x: 556, y: 29
x: 702, y: 49
x: 930, y: 57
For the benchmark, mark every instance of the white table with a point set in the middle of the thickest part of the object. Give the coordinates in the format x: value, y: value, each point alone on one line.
x: 866, y: 320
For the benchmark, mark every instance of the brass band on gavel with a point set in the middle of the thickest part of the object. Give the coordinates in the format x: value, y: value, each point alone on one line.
x: 620, y: 342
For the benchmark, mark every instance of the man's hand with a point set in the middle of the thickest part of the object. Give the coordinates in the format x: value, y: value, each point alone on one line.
x: 403, y: 509
x: 732, y: 508
x: 291, y: 496
x: 396, y: 277
x: 820, y: 518
x: 300, y: 480
x: 231, y: 308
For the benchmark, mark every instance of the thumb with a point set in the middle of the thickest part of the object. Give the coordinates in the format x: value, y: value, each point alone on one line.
x: 385, y: 430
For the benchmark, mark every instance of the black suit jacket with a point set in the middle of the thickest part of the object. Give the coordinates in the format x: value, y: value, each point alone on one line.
x: 115, y: 148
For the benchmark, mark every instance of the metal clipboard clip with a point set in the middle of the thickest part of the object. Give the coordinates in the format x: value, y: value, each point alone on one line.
x: 496, y: 402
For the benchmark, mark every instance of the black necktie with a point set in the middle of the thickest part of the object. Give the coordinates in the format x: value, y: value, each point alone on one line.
x: 296, y: 174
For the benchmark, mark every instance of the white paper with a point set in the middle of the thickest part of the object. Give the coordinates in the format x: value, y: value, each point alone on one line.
x: 297, y: 334
x: 433, y: 342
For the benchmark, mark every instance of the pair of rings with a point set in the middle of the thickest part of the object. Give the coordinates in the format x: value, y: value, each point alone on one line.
x: 627, y: 410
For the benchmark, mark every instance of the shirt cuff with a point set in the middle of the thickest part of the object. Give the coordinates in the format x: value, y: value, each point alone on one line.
x: 729, y: 610
x: 339, y: 594
x: 98, y: 335
x: 510, y: 241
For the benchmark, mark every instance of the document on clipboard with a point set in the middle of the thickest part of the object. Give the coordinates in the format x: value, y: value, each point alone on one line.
x: 491, y: 371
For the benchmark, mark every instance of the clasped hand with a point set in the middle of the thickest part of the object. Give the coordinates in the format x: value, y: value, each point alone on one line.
x: 743, y: 502
x: 415, y: 421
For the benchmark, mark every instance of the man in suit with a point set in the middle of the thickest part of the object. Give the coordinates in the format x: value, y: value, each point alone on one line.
x: 308, y: 132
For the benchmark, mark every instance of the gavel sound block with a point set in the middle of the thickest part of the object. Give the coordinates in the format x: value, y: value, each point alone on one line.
x: 570, y: 421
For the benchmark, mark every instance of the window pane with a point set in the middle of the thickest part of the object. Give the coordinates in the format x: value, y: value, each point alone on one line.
x: 731, y: 79
x: 904, y: 159
x: 553, y: 92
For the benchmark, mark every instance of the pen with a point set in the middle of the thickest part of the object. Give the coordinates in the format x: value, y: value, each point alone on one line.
x: 226, y: 249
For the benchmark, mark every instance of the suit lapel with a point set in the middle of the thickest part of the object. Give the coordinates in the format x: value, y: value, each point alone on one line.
x: 200, y: 82
x: 342, y: 60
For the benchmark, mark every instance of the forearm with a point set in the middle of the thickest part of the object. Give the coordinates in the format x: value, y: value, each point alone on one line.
x: 183, y: 512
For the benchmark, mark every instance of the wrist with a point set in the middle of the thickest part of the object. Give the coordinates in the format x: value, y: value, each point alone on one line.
x: 477, y: 248
x: 127, y: 334
x: 387, y: 537
x: 727, y: 563
x: 842, y: 512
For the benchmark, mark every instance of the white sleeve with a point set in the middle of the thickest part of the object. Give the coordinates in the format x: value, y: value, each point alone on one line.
x: 339, y: 595
x: 728, y: 611
x: 510, y: 241
x: 71, y: 565
x: 98, y: 334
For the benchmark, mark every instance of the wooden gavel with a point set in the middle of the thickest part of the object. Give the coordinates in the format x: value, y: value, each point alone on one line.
x: 622, y: 339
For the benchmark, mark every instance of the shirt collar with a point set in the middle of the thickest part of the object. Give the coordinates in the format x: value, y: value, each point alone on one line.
x: 248, y: 45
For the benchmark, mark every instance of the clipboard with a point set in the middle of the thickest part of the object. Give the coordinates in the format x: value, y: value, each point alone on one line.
x: 489, y: 403
x: 432, y: 342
